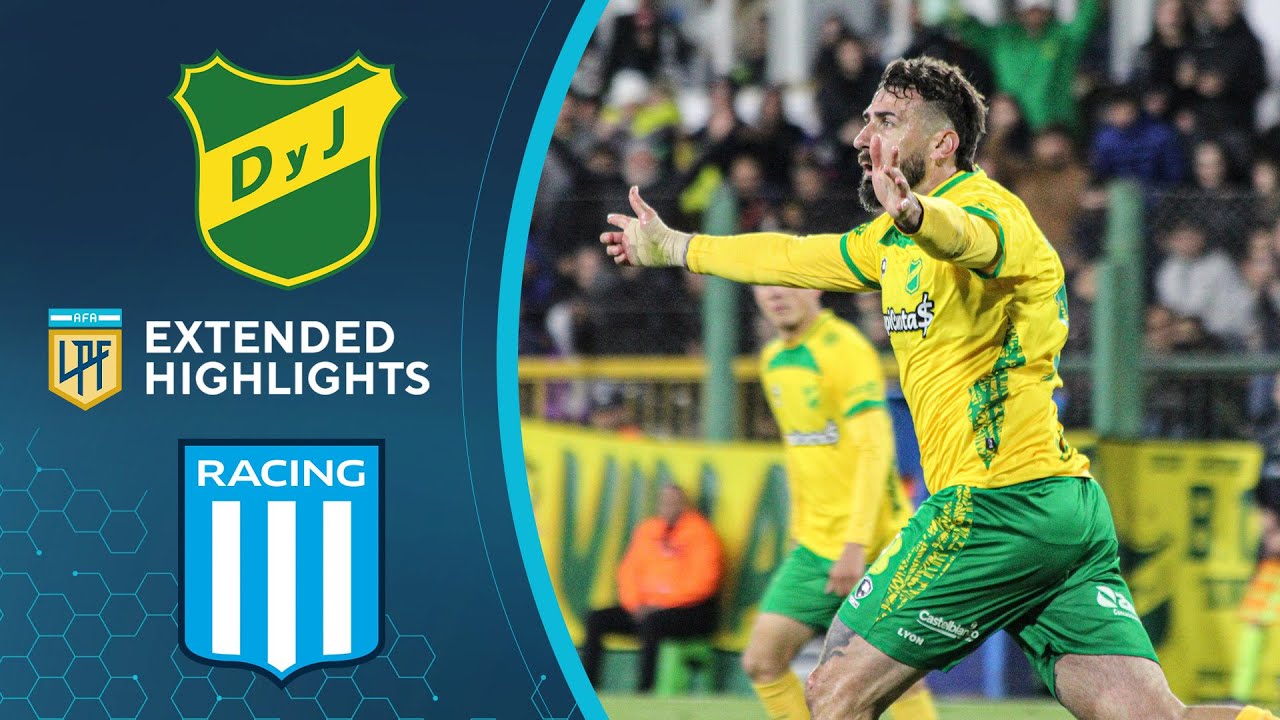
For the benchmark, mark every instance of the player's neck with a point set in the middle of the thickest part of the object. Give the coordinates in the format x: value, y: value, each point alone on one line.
x: 934, y: 178
x: 796, y: 334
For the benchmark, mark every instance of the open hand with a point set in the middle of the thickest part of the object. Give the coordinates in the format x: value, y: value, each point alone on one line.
x: 644, y: 240
x: 892, y: 189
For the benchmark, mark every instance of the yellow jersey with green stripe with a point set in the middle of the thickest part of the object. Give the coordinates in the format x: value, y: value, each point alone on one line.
x: 977, y: 351
x: 813, y: 384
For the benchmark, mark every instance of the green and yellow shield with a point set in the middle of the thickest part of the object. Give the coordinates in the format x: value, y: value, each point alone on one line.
x: 287, y: 167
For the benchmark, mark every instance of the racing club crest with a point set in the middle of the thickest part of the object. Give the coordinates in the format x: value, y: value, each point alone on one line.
x: 281, y: 553
x: 287, y: 167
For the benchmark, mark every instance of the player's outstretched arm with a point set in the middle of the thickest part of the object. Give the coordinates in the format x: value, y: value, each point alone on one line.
x: 814, y: 261
x: 942, y: 229
x: 644, y: 240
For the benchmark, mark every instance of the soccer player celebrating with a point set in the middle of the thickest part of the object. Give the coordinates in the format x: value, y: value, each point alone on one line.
x: 1016, y: 534
x: 825, y: 387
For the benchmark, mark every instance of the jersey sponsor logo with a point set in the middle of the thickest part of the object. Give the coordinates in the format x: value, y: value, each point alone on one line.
x: 84, y: 355
x: 829, y: 435
x: 910, y: 636
x: 1115, y: 602
x: 287, y: 167
x: 281, y: 553
x: 910, y: 320
x: 943, y: 626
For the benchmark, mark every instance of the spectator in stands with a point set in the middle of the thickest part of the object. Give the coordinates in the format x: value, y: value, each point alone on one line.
x: 833, y: 30
x: 844, y: 94
x: 647, y: 42
x: 930, y: 38
x: 1230, y: 72
x: 561, y: 168
x: 824, y: 208
x: 1261, y: 272
x: 1201, y: 283
x: 752, y: 42
x: 667, y: 586
x: 1134, y: 145
x: 1215, y: 196
x: 1265, y: 180
x: 1004, y: 151
x: 724, y: 136
x: 535, y: 290
x: 1035, y: 57
x: 1166, y: 62
x: 612, y: 413
x: 632, y: 327
x: 641, y: 168
x: 1187, y: 407
x: 756, y: 209
x: 1052, y: 185
x: 597, y: 181
x: 582, y: 279
x: 774, y: 139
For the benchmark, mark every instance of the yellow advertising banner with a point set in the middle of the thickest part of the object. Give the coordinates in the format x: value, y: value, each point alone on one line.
x: 1183, y: 511
x: 1188, y: 541
x: 590, y: 490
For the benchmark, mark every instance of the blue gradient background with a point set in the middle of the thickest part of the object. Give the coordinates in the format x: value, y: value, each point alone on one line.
x: 98, y: 212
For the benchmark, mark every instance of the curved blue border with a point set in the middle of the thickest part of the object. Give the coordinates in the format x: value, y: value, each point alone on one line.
x: 535, y: 154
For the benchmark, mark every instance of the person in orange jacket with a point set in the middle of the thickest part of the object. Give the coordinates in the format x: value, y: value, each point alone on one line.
x: 667, y: 585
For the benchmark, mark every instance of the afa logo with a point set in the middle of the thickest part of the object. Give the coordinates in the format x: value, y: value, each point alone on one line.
x: 84, y: 355
x: 281, y: 552
x: 287, y: 167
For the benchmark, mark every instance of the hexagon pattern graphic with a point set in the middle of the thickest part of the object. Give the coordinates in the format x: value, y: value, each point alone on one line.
x: 72, y: 643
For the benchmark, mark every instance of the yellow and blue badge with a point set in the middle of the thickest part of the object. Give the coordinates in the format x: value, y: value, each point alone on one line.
x: 84, y: 354
x: 287, y: 167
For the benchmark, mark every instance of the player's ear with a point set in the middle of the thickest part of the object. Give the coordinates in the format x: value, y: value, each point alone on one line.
x: 946, y: 144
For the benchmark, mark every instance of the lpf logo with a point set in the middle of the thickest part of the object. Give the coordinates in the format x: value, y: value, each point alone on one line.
x: 282, y: 552
x: 287, y: 167
x: 84, y: 354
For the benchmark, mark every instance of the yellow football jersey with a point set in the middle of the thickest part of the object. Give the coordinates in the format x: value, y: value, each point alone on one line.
x: 977, y: 351
x: 813, y: 385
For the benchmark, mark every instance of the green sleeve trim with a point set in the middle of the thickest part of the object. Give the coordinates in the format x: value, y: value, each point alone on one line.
x: 848, y: 260
x: 1000, y: 249
x: 862, y: 406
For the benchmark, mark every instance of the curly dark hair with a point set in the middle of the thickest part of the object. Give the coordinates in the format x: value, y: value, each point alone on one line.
x: 944, y: 87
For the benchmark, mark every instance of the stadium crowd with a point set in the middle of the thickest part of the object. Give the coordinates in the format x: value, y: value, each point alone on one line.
x: 1183, y: 126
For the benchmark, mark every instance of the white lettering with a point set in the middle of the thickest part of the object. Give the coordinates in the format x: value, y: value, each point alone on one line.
x: 210, y: 470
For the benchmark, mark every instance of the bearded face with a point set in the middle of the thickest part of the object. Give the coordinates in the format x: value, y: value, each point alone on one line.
x: 913, y: 169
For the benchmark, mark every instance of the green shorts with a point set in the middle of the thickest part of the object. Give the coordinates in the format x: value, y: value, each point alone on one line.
x: 1039, y: 559
x: 797, y: 590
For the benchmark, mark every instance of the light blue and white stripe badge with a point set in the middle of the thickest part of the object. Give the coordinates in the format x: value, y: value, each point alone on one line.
x: 282, y: 552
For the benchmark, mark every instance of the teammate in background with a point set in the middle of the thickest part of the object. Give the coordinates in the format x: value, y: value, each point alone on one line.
x: 1016, y: 534
x: 1262, y: 600
x: 825, y: 386
x: 667, y: 586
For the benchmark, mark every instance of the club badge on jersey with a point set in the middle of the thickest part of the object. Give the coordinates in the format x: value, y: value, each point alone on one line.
x: 282, y: 552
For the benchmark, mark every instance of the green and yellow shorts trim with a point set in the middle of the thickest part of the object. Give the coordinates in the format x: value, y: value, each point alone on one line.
x: 798, y: 590
x: 1039, y: 559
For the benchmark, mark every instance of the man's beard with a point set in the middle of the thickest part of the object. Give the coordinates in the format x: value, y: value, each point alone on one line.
x: 912, y: 169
